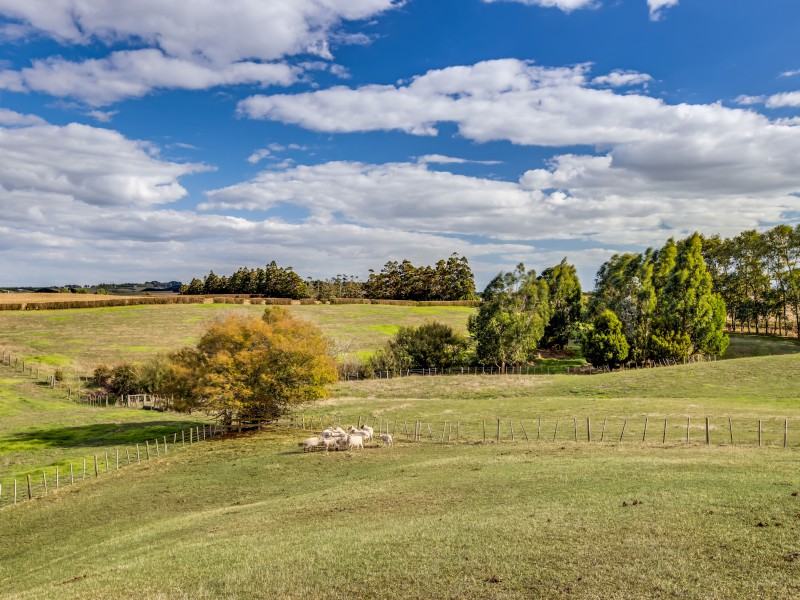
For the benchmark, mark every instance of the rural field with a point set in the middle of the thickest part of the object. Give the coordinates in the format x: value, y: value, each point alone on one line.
x: 640, y: 514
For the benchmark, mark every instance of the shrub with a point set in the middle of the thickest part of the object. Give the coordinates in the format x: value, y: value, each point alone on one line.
x: 605, y: 345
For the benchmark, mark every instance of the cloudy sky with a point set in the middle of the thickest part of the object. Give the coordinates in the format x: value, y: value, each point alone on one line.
x: 146, y: 139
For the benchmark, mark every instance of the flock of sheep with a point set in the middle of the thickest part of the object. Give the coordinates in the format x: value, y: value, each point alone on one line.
x: 337, y: 438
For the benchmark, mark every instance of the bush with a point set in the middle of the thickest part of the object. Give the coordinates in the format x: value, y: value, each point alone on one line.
x: 605, y: 345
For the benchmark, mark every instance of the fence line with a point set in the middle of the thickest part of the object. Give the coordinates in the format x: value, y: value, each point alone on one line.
x: 15, y: 490
x: 524, y: 369
x: 772, y: 432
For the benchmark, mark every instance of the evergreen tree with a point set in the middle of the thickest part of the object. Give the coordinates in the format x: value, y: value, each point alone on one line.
x: 604, y: 345
x: 565, y: 304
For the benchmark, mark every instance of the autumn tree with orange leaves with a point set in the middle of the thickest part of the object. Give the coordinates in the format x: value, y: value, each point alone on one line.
x: 254, y: 368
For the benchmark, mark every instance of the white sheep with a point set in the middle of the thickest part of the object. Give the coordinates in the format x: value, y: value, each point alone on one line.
x: 309, y: 444
x: 387, y: 439
x: 362, y: 432
x: 369, y: 430
x: 355, y: 441
x: 330, y: 442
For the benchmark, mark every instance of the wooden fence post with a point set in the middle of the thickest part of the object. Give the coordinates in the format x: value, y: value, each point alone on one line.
x: 44, y: 481
x: 183, y: 438
x: 157, y: 452
x: 708, y: 435
x: 106, y: 462
x: 539, y: 429
x: 147, y: 449
x: 138, y: 455
x: 759, y: 433
x: 484, y: 430
x: 96, y: 468
x: 498, y: 430
x: 511, y: 425
x: 555, y: 431
x: 128, y: 455
x: 30, y: 492
x: 644, y: 435
x: 688, y: 424
x: 588, y: 430
x: 785, y: 432
x: 575, y: 427
x: 664, y: 435
x: 165, y: 445
x: 525, y: 433
x: 71, y: 475
x: 603, y: 432
x: 730, y: 429
x: 621, y: 435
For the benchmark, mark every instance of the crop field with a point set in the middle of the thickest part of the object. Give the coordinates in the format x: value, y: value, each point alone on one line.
x: 640, y: 514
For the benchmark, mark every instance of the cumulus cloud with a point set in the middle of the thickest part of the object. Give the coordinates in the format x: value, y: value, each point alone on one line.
x: 189, y: 45
x: 786, y: 99
x: 87, y: 165
x: 657, y: 8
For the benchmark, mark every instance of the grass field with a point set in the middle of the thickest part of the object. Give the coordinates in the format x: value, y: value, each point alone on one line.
x: 80, y: 339
x: 250, y: 516
x: 40, y: 428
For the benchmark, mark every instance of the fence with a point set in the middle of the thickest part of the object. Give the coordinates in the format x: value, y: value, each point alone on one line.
x: 524, y: 369
x: 772, y: 432
x: 41, y: 482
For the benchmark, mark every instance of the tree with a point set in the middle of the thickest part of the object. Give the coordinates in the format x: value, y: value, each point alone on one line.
x: 565, y: 304
x: 244, y: 367
x: 604, y: 345
x: 511, y: 320
x: 431, y: 345
x: 691, y: 317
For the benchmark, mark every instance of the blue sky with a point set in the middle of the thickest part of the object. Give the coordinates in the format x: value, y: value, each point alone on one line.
x: 151, y: 140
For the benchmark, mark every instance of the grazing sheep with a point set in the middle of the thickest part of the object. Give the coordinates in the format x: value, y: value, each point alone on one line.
x: 355, y: 441
x: 387, y: 439
x: 330, y: 442
x: 369, y: 430
x: 309, y: 444
x: 362, y: 432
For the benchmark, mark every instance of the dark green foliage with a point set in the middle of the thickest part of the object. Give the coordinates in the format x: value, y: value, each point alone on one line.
x: 124, y: 380
x: 604, y: 345
x: 565, y: 304
x: 511, y: 320
x: 270, y: 282
x: 688, y: 308
x: 447, y: 280
x: 432, y: 345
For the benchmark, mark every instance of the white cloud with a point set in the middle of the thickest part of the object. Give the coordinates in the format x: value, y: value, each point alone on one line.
x: 191, y: 45
x: 745, y: 100
x: 10, y: 118
x: 448, y: 160
x: 622, y: 79
x: 565, y: 5
x: 657, y: 8
x: 786, y: 99
x: 104, y: 116
x: 790, y: 73
x: 78, y: 164
x: 259, y: 155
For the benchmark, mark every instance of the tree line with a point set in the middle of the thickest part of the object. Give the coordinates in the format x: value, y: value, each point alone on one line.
x: 758, y: 276
x: 450, y: 279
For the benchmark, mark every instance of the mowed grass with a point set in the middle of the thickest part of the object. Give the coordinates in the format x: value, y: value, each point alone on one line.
x: 40, y: 428
x: 252, y: 517
x: 81, y: 339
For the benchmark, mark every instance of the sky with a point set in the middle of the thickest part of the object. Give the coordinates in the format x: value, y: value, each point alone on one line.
x: 150, y: 140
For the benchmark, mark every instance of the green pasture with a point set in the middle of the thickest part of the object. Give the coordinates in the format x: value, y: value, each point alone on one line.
x: 252, y: 517
x: 81, y: 339
x: 40, y: 428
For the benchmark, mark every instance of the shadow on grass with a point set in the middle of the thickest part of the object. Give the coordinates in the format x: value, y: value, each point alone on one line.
x: 104, y: 434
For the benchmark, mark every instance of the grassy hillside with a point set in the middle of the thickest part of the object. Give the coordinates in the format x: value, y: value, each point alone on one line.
x: 40, y: 428
x: 251, y: 517
x: 80, y: 339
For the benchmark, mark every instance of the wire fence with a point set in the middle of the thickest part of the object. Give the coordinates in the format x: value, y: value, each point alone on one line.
x: 770, y: 432
x: 526, y: 369
x: 41, y: 482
